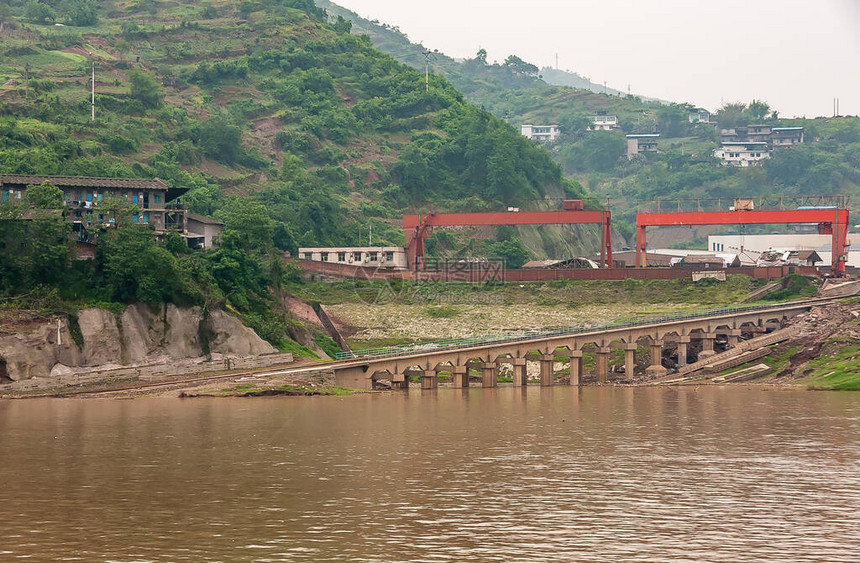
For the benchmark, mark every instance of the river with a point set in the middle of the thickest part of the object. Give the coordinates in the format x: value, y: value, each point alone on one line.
x: 538, y: 474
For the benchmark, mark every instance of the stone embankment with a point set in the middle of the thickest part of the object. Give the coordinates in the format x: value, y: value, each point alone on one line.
x: 143, y: 343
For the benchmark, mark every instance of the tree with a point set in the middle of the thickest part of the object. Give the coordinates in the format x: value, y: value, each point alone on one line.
x: 44, y: 196
x: 732, y: 115
x: 673, y: 119
x: 221, y: 140
x: 250, y: 222
x: 758, y: 110
x: 519, y: 66
x: 145, y: 89
x: 481, y: 55
x: 37, y: 12
x: 82, y: 13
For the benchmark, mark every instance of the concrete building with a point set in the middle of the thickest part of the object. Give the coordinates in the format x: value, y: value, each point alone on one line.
x: 641, y: 143
x: 82, y: 197
x: 603, y: 122
x: 200, y: 231
x: 699, y: 115
x: 742, y: 154
x: 541, y: 133
x: 393, y: 257
x: 782, y: 137
x: 821, y: 244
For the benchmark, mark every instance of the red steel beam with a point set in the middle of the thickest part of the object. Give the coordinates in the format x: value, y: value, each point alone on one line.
x: 418, y: 227
x: 825, y: 218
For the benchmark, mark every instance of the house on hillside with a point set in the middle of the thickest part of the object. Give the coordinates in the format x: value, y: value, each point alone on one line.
x: 157, y: 206
x: 782, y: 137
x: 699, y: 115
x: 83, y: 195
x: 641, y: 143
x: 540, y: 133
x: 603, y: 122
x: 742, y: 154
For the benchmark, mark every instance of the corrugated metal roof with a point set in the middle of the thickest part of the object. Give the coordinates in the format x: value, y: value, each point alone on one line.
x: 84, y: 181
x: 203, y: 219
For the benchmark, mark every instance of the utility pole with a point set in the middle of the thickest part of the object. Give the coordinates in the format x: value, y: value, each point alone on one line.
x: 556, y: 61
x: 93, y: 98
x: 427, y: 70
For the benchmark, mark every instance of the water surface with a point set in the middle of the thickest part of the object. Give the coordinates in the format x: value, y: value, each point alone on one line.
x: 560, y: 474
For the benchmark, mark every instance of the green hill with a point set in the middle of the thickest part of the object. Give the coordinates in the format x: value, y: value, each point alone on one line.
x: 518, y: 92
x: 265, y: 99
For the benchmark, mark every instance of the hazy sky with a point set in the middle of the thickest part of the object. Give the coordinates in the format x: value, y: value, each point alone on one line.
x: 796, y: 55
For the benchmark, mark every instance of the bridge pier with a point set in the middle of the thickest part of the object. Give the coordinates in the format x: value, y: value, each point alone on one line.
x: 547, y: 375
x: 489, y: 376
x: 683, y: 341
x: 575, y: 367
x: 629, y: 359
x: 708, y: 339
x: 603, y: 364
x: 429, y: 380
x: 520, y: 375
x: 733, y: 337
x: 461, y: 377
x: 399, y: 381
x: 656, y: 367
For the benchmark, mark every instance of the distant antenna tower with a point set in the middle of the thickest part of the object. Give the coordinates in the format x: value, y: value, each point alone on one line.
x: 556, y: 61
x: 427, y: 53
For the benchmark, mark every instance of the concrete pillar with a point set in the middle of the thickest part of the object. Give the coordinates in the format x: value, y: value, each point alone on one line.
x: 656, y: 367
x: 629, y: 359
x: 707, y: 345
x: 603, y: 364
x: 400, y: 381
x: 575, y: 367
x: 683, y: 341
x: 733, y: 337
x: 461, y: 377
x: 547, y: 377
x: 520, y: 375
x: 489, y: 377
x: 429, y: 380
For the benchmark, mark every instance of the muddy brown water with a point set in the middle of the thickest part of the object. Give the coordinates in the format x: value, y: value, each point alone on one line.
x: 560, y: 474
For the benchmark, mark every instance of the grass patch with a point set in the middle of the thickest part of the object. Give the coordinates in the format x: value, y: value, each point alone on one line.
x: 296, y: 349
x: 442, y: 312
x: 839, y: 371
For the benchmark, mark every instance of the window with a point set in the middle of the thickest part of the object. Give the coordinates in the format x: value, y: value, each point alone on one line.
x: 341, y: 256
x: 389, y: 257
x: 134, y: 199
x: 99, y: 197
x: 356, y: 256
x: 324, y: 256
x: 89, y: 196
x: 309, y: 255
x: 146, y: 217
x: 135, y: 218
x: 157, y: 199
x: 373, y: 256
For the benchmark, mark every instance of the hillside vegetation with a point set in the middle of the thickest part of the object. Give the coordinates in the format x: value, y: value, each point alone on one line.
x: 519, y: 92
x: 263, y: 99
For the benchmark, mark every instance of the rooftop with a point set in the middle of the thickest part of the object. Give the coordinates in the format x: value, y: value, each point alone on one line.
x: 84, y: 181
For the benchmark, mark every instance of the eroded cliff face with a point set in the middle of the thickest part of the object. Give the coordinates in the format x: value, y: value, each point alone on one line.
x: 142, y: 335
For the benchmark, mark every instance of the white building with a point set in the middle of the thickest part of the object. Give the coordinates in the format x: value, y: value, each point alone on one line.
x: 393, y: 257
x: 699, y: 115
x: 603, y: 122
x: 742, y: 154
x: 821, y: 244
x: 542, y: 133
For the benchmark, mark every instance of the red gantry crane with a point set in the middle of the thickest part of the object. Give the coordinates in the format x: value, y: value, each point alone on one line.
x: 830, y: 220
x: 419, y: 227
